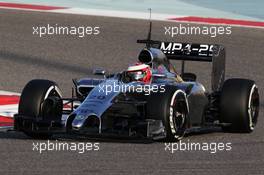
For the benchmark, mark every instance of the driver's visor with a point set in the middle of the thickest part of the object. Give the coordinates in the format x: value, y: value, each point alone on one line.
x: 136, y: 75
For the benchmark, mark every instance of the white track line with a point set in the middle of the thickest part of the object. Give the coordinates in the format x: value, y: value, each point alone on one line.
x: 9, y: 93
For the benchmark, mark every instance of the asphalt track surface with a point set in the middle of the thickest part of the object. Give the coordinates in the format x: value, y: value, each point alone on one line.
x: 24, y: 56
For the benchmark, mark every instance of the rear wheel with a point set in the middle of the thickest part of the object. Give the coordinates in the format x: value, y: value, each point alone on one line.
x: 239, y: 105
x: 40, y: 100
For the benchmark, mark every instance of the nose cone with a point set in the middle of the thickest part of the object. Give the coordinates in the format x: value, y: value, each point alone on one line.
x: 78, y: 122
x: 90, y: 124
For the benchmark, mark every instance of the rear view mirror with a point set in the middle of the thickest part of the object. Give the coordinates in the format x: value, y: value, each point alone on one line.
x: 159, y: 75
x: 99, y: 71
x: 187, y: 76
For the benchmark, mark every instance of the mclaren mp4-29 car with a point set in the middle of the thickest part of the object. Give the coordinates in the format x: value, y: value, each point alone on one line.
x: 165, y: 105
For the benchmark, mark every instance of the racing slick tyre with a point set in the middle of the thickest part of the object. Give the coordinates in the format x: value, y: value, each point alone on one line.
x: 170, y: 106
x: 40, y: 100
x: 239, y: 105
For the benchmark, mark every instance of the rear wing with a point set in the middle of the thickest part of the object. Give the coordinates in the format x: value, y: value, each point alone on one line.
x: 193, y: 52
x: 197, y: 52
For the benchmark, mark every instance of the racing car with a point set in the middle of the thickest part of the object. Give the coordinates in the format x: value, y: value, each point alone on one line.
x: 148, y: 100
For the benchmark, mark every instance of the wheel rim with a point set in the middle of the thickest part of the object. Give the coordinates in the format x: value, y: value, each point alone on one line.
x: 177, y: 114
x: 178, y: 119
x: 253, y: 107
x: 48, y: 105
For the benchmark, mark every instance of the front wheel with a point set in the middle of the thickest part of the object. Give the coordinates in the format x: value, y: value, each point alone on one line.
x: 239, y: 105
x: 40, y: 101
x: 172, y: 108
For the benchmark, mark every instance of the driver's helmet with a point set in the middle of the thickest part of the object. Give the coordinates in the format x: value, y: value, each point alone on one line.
x: 139, y: 72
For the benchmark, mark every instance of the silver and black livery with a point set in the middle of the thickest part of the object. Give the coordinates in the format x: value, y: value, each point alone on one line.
x: 171, y: 105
